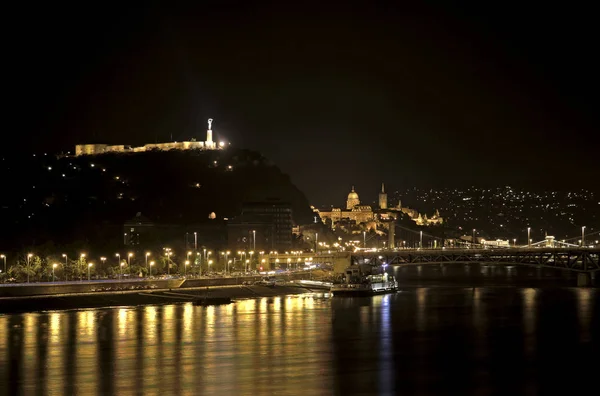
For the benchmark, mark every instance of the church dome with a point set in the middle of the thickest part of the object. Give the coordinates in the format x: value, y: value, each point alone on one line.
x: 352, y: 200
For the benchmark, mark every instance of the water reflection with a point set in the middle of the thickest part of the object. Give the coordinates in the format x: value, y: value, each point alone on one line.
x: 585, y: 303
x: 529, y: 320
x: 424, y: 341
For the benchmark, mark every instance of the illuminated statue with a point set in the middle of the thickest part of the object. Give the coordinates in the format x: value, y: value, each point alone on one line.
x: 209, y: 123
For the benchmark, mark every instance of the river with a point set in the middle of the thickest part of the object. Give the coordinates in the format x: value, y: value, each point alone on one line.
x: 435, y: 337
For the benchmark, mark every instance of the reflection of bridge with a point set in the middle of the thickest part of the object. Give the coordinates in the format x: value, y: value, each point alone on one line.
x: 582, y: 260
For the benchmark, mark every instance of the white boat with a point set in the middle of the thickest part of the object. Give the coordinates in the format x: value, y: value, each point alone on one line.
x: 365, y: 280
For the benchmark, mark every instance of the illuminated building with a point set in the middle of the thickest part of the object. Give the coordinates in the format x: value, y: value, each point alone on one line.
x: 355, y: 212
x: 208, y: 144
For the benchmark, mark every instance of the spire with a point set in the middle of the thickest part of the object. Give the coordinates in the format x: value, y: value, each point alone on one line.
x: 382, y: 188
x: 352, y: 188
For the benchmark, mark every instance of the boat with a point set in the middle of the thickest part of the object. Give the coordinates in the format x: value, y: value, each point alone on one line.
x: 365, y: 280
x: 206, y: 301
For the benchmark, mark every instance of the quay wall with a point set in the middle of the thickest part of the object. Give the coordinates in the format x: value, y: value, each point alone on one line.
x: 47, y: 289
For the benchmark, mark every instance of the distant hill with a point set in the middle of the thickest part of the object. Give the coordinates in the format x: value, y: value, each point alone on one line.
x: 61, y: 199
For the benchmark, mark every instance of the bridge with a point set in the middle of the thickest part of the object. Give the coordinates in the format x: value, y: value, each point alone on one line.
x: 584, y: 261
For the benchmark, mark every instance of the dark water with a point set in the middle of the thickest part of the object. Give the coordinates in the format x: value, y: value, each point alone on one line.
x: 492, y: 340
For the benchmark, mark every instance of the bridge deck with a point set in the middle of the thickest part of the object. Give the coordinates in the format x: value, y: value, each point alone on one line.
x: 579, y: 259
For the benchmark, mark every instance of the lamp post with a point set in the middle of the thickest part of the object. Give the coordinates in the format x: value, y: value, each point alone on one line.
x: 89, y: 268
x: 514, y: 242
x: 103, y: 260
x: 364, y: 239
x: 528, y: 236
x: 187, y: 262
x: 121, y: 270
x: 169, y: 262
x: 583, y: 236
x: 253, y: 239
x: 421, y: 239
x: 81, y: 257
x: 195, y: 240
x: 147, y: 254
x: 129, y: 256
x: 151, y: 265
x: 209, y: 264
x: 226, y: 262
x: 4, y: 258
x: 29, y: 255
x: 473, y: 239
x: 53, y: 268
x: 66, y: 265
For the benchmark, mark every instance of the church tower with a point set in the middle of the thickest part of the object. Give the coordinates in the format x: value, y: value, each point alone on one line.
x: 382, y: 198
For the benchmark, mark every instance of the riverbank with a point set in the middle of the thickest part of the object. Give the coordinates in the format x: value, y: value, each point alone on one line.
x: 142, y: 297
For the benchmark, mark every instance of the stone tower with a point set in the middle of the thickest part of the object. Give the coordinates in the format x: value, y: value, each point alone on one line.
x: 352, y: 200
x: 382, y: 198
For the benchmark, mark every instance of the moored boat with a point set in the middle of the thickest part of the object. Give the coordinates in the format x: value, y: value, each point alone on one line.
x: 365, y: 280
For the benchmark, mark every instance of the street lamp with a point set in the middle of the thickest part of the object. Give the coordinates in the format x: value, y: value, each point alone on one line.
x: 195, y: 240
x: 151, y: 265
x: 226, y: 262
x: 29, y: 255
x: 514, y: 242
x: 583, y: 236
x: 129, y: 256
x: 421, y: 239
x: 168, y: 254
x: 81, y: 257
x: 121, y: 265
x: 253, y: 239
x: 53, y: 268
x: 147, y: 254
x: 89, y: 267
x: 187, y: 262
x: 473, y: 239
x: 528, y: 236
x: 103, y: 260
x: 365, y: 239
x: 4, y: 258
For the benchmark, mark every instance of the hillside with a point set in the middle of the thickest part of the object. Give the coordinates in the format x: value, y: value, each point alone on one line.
x: 46, y: 198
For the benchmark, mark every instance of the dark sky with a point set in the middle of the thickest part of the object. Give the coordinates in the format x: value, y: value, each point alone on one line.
x: 335, y: 94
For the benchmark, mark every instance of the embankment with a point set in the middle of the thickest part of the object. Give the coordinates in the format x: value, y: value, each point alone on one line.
x: 140, y: 297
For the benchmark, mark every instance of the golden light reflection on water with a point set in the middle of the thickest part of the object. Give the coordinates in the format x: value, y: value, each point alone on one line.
x: 188, y: 319
x: 55, y: 357
x: 86, y: 351
x: 266, y: 346
x: 421, y: 301
x: 4, y: 331
x: 529, y: 320
x: 151, y: 344
x: 30, y: 332
x: 585, y: 302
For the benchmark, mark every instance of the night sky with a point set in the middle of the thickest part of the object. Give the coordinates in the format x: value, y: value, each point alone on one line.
x: 336, y: 94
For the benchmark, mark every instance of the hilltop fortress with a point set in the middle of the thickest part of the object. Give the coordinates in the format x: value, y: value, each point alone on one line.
x: 208, y: 144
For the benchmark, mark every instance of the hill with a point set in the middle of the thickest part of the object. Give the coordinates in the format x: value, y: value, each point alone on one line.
x: 60, y: 200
